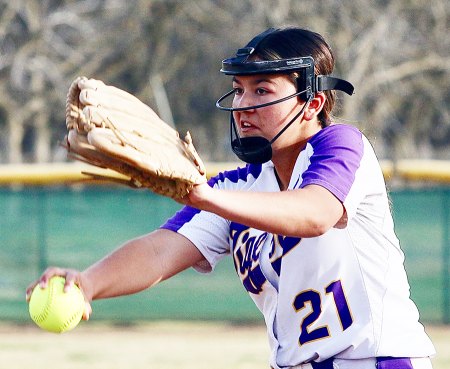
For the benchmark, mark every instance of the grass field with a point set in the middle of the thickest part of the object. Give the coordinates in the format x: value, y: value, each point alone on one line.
x: 162, y: 345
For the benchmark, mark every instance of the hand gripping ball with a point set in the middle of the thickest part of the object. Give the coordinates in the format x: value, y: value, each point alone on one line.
x: 53, y: 309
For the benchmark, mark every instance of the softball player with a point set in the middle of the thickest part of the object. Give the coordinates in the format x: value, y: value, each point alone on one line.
x: 306, y: 221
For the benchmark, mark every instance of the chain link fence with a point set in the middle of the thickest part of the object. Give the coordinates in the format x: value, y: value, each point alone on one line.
x: 74, y: 226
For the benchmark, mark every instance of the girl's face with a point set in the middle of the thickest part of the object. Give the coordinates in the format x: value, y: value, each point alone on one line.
x: 267, y: 121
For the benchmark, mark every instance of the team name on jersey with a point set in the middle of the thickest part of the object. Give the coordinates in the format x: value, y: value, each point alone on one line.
x: 246, y: 245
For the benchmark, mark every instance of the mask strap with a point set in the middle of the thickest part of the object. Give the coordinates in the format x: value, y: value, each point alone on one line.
x: 243, y: 54
x: 292, y: 120
x: 233, y: 128
x: 325, y: 83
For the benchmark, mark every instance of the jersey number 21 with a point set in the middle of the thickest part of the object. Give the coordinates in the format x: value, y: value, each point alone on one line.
x: 314, y: 298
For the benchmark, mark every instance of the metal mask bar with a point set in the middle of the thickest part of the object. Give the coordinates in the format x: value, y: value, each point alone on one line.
x: 221, y: 107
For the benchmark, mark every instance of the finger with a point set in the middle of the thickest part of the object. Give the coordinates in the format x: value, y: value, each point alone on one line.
x: 113, y: 99
x: 99, y: 93
x: 87, y: 311
x: 91, y: 83
x: 43, y: 280
x: 29, y: 291
x: 144, y: 122
x: 72, y: 277
x: 49, y: 274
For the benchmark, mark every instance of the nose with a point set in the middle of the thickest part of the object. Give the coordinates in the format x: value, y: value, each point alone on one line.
x: 243, y: 102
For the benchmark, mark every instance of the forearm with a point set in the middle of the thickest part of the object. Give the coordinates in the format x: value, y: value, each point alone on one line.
x: 139, y: 264
x: 125, y: 271
x: 301, y: 213
x: 270, y: 212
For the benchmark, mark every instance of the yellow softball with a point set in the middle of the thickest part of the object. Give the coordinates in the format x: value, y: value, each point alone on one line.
x: 53, y: 309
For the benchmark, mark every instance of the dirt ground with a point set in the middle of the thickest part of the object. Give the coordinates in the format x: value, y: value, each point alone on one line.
x: 161, y: 345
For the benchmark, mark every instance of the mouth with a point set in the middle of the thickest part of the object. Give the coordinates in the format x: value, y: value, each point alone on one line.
x: 247, y: 127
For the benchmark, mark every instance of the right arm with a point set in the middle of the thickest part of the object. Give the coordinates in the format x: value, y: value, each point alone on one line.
x: 136, y: 265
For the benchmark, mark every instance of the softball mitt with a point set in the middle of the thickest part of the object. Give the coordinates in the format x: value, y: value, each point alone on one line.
x: 110, y: 128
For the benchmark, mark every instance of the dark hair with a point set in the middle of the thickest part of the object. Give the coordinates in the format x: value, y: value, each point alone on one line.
x: 296, y: 42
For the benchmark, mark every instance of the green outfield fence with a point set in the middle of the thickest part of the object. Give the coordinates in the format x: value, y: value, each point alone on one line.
x: 74, y: 225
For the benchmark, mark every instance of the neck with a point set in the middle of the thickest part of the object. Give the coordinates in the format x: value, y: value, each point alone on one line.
x: 284, y: 163
x: 284, y: 160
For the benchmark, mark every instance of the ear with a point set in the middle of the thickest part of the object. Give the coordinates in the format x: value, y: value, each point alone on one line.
x: 315, y: 106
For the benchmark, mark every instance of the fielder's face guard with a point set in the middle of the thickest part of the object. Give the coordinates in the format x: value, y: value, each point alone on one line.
x: 258, y: 149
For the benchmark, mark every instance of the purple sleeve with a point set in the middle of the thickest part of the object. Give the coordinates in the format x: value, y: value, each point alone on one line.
x: 337, y: 153
x: 231, y: 177
x: 180, y: 218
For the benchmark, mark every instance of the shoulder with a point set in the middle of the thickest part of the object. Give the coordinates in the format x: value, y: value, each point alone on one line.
x: 334, y: 156
x: 341, y: 141
x: 337, y: 134
x: 246, y: 174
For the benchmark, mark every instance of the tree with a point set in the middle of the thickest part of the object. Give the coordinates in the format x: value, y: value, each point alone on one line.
x: 168, y: 53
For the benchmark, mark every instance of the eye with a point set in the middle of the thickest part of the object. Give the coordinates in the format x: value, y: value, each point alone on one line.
x: 261, y: 91
x: 238, y: 91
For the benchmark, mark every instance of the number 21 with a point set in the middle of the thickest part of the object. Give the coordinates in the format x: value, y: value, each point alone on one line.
x: 314, y: 299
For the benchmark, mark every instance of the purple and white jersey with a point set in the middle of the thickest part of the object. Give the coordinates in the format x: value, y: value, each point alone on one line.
x: 344, y: 294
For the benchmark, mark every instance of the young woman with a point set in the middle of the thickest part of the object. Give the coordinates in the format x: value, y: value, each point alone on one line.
x: 307, y: 221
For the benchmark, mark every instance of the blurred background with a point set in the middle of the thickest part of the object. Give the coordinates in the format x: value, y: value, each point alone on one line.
x: 168, y: 54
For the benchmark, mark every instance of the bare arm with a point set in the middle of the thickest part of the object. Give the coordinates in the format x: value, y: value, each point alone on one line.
x: 136, y: 265
x: 306, y: 212
x: 140, y: 263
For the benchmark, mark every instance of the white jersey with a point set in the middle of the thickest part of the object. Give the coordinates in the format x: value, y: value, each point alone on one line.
x: 344, y: 294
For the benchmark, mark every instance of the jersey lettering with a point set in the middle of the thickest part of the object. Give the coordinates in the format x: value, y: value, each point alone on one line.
x: 284, y: 243
x: 246, y: 252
